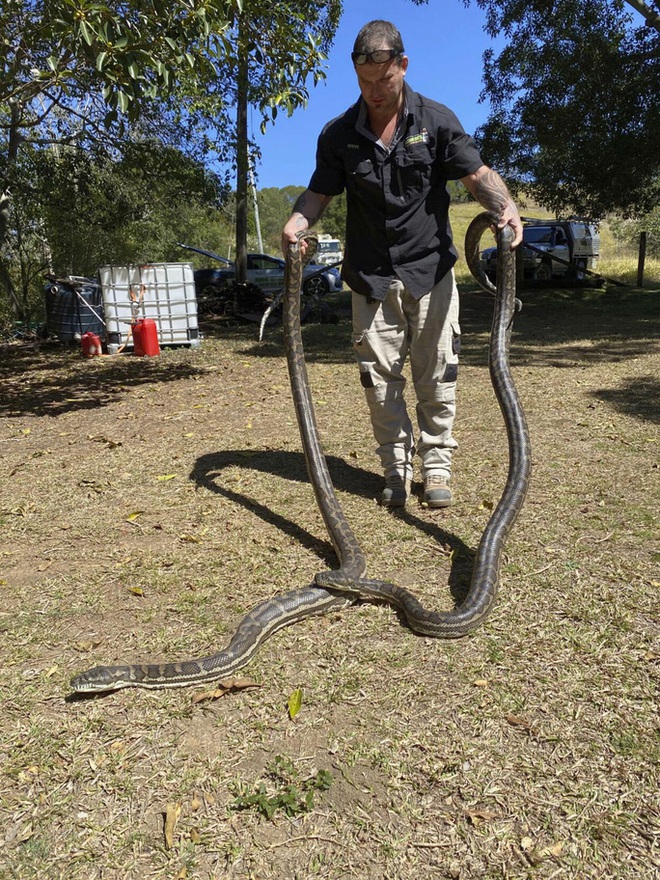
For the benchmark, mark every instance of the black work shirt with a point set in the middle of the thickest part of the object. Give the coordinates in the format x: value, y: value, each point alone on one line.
x: 398, y: 205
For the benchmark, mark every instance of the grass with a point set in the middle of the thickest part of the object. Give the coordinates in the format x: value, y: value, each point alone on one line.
x: 528, y: 750
x: 618, y: 259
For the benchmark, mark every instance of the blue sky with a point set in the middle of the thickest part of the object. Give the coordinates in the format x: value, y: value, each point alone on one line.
x: 444, y: 42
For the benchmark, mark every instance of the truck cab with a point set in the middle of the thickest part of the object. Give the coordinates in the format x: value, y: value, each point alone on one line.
x: 553, y: 249
x: 329, y: 251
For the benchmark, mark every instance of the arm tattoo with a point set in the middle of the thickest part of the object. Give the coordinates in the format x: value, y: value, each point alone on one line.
x: 491, y: 192
x: 311, y: 207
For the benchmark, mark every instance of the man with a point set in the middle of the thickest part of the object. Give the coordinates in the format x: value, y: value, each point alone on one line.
x: 393, y: 152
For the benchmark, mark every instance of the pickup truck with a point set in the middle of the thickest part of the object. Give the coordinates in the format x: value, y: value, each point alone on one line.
x: 553, y: 249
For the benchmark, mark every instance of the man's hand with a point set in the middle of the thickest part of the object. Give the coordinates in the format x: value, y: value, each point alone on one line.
x: 491, y: 192
x: 307, y: 210
x: 295, y: 224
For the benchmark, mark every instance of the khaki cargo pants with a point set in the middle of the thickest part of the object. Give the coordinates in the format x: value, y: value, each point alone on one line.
x: 427, y: 331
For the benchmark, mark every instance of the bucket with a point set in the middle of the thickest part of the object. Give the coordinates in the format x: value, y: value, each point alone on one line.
x: 91, y: 345
x: 145, y: 338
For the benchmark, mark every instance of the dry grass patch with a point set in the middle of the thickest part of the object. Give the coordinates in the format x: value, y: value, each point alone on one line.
x: 146, y: 505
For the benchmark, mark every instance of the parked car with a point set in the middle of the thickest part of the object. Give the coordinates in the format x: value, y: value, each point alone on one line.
x: 556, y: 248
x: 268, y: 274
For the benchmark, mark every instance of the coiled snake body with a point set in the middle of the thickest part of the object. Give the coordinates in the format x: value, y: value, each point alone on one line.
x: 337, y: 589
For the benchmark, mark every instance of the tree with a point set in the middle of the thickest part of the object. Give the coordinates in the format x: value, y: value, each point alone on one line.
x: 76, y: 71
x: 273, y: 51
x: 575, y: 116
x: 72, y: 71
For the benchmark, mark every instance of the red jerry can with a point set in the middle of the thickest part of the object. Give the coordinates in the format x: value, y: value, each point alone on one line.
x: 145, y: 338
x: 91, y: 344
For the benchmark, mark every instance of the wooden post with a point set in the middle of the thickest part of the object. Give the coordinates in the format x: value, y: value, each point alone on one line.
x: 641, y: 259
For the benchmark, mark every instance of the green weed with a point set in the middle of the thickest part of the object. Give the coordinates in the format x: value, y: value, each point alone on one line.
x: 283, y: 790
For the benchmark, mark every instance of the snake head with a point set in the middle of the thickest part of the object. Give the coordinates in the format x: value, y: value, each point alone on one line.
x: 101, y: 679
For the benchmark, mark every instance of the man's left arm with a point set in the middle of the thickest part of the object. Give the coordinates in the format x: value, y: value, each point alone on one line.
x: 491, y: 192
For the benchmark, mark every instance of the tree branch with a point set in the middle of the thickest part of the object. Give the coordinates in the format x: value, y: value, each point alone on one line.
x: 652, y: 17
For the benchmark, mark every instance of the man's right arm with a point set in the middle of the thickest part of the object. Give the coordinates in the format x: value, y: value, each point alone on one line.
x: 307, y: 210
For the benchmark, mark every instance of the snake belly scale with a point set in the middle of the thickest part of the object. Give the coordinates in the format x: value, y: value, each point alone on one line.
x: 335, y: 590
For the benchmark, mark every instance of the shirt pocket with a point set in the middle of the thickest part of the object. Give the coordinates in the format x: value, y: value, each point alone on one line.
x: 413, y: 170
x: 357, y: 166
x: 360, y: 174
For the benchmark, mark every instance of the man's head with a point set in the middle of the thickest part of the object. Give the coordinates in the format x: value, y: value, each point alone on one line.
x: 376, y: 36
x: 380, y: 64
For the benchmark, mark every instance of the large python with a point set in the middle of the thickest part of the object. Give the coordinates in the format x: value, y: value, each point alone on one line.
x: 335, y: 590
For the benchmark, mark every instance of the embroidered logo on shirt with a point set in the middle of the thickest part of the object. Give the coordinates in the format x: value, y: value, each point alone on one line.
x: 421, y: 138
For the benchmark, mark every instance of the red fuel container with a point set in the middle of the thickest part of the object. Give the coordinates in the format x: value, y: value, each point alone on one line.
x: 145, y: 338
x: 91, y: 344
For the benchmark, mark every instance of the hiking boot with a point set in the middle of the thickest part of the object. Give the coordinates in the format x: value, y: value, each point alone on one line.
x: 436, y: 491
x: 396, y: 491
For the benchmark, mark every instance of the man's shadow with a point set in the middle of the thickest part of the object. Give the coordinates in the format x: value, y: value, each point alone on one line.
x: 207, y: 473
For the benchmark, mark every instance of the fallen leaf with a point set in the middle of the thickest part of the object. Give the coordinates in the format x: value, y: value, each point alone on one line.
x: 515, y: 721
x: 195, y: 803
x: 195, y: 835
x: 172, y: 813
x: 183, y: 873
x: 486, y: 504
x: 227, y: 686
x: 477, y: 817
x: 162, y: 478
x: 652, y: 655
x: 481, y: 683
x: 295, y: 703
x: 555, y: 850
x: 526, y: 844
x: 88, y: 645
x: 137, y: 591
x: 190, y: 539
x: 133, y: 516
x: 536, y: 856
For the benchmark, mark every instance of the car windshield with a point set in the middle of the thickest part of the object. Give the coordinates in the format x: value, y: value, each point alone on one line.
x: 537, y: 234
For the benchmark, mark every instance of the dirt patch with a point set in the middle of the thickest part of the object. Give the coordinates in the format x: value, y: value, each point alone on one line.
x: 147, y: 504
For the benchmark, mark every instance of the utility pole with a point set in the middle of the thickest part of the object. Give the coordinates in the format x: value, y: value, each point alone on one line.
x: 257, y: 221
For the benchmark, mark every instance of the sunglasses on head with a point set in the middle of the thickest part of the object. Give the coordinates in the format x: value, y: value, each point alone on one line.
x: 379, y: 56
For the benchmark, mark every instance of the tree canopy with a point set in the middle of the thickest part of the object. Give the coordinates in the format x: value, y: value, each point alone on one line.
x: 575, y: 113
x: 108, y: 75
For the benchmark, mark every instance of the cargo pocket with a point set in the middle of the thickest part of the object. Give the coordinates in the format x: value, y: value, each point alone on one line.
x: 451, y: 369
x: 456, y: 338
x: 451, y: 373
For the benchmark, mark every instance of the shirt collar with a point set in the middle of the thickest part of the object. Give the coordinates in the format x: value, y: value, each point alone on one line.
x: 362, y: 123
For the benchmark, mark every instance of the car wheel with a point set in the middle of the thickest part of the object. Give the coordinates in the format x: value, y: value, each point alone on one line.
x: 544, y: 272
x: 580, y: 266
x: 316, y: 286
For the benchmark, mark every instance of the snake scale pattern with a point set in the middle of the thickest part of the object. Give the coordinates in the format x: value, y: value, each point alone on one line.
x: 338, y: 589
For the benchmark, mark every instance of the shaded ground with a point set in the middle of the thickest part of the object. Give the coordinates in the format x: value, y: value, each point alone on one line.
x: 147, y: 504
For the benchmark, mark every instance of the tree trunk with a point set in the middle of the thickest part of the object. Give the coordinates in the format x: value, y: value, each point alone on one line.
x: 5, y: 200
x: 241, y: 161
